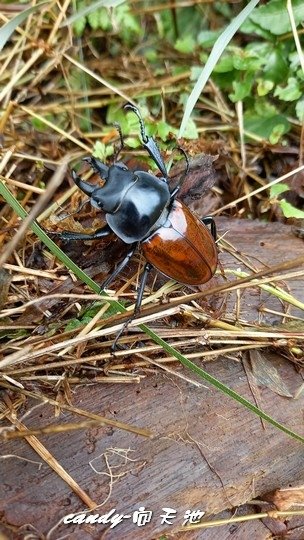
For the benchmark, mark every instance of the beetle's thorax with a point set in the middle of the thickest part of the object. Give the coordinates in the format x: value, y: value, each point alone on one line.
x: 139, y: 207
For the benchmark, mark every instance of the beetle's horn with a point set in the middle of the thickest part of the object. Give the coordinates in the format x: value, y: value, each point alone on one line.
x: 97, y: 166
x: 84, y: 186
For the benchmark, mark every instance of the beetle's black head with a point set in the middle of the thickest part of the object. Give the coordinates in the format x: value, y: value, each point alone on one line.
x: 109, y: 197
x: 117, y: 180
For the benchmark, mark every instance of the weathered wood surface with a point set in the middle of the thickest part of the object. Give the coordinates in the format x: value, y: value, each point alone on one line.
x: 208, y: 452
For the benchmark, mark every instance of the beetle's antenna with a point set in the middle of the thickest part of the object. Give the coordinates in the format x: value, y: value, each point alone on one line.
x: 149, y: 143
x: 79, y: 208
x: 184, y: 175
x: 184, y: 153
x: 121, y: 141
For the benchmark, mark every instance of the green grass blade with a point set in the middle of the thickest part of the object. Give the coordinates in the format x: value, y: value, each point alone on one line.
x: 7, y: 29
x: 217, y: 50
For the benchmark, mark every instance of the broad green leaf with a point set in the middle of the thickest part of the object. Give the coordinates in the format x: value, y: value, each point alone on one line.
x: 290, y: 211
x: 95, y: 18
x: 225, y: 64
x: 242, y: 87
x: 276, y: 67
x: 290, y: 92
x: 103, y: 151
x: 278, y: 189
x: 264, y: 126
x: 191, y: 130
x: 243, y: 61
x: 79, y: 26
x: 300, y: 110
x: 274, y: 17
x: 185, y: 45
x: 264, y: 107
x: 264, y: 87
x: 276, y: 133
x: 249, y: 27
x: 207, y: 38
x: 127, y: 21
x: 163, y: 130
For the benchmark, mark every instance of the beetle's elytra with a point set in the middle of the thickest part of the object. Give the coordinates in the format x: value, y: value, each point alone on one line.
x: 190, y: 250
x: 142, y: 211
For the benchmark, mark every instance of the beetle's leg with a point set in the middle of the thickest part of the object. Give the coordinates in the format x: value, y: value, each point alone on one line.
x: 149, y: 143
x: 120, y: 148
x: 209, y: 221
x: 119, y: 267
x: 70, y: 235
x: 185, y: 173
x: 141, y: 289
x: 138, y: 302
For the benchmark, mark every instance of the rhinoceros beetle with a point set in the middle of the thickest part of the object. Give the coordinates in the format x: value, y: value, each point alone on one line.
x: 142, y: 211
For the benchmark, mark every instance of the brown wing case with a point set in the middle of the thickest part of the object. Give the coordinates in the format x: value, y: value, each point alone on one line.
x: 183, y: 248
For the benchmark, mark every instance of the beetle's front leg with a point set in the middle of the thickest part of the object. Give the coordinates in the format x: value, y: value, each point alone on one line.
x: 70, y: 235
x: 149, y: 143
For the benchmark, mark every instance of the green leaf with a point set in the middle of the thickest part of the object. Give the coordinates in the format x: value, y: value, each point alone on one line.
x: 191, y: 130
x: 40, y: 125
x: 225, y: 64
x: 132, y: 142
x: 290, y: 211
x: 102, y: 151
x: 278, y: 189
x: 242, y: 88
x: 264, y: 87
x: 104, y: 19
x: 276, y: 67
x: 126, y: 21
x: 291, y: 92
x: 207, y: 38
x: 163, y: 130
x: 94, y: 19
x: 300, y: 110
x: 263, y: 107
x: 249, y: 61
x: 276, y: 133
x: 79, y: 26
x: 274, y: 17
x: 185, y: 45
x: 72, y: 325
x: 249, y: 27
x: 265, y: 126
